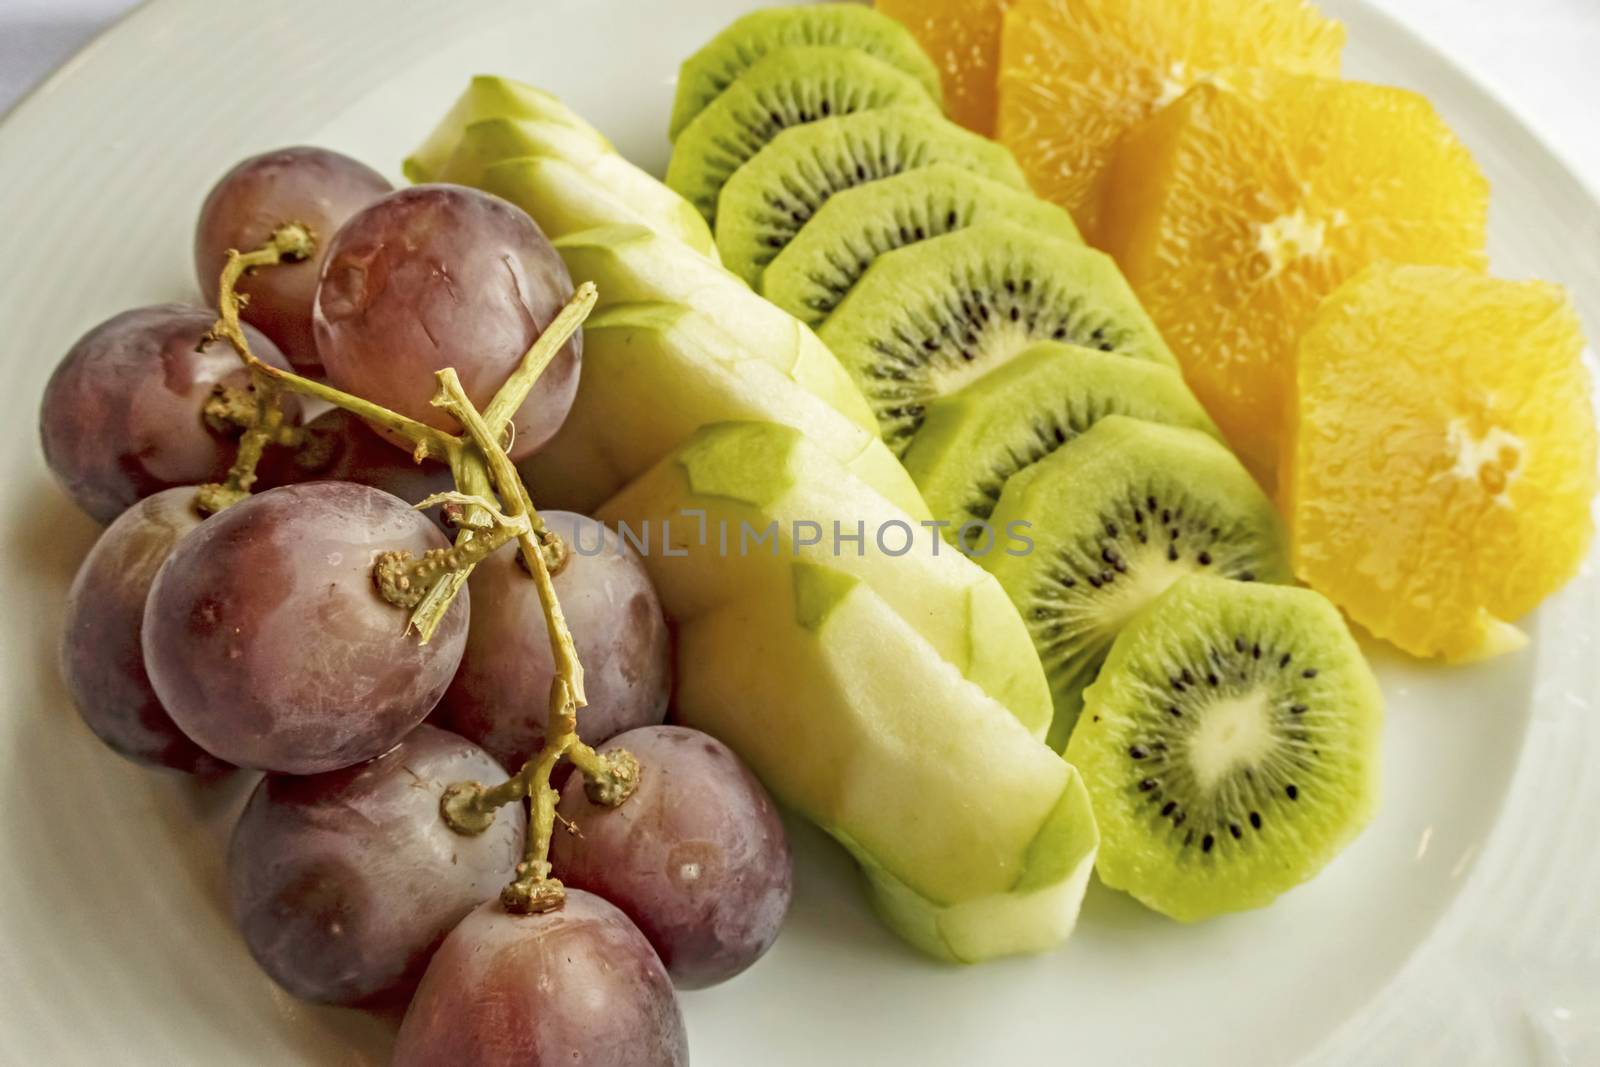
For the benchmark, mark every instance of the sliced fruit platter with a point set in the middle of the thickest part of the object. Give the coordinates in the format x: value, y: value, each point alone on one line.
x: 1001, y: 438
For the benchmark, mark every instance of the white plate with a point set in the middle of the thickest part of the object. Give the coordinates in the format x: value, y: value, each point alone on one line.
x: 1460, y: 928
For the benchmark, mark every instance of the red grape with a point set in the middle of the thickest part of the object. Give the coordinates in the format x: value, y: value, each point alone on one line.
x: 312, y: 186
x: 342, y: 448
x: 442, y: 276
x: 268, y: 642
x: 101, y: 657
x: 697, y: 856
x: 577, y: 987
x: 498, y: 698
x: 122, y: 415
x: 345, y: 883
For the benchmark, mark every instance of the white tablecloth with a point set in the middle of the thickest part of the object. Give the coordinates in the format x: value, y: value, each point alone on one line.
x: 1541, y: 56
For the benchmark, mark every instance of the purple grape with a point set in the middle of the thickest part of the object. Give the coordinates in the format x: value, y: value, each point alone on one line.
x: 268, y: 642
x: 576, y: 987
x: 312, y: 186
x: 122, y: 415
x: 101, y: 657
x: 345, y: 883
x: 439, y: 276
x: 696, y: 857
x: 500, y: 696
x: 342, y: 448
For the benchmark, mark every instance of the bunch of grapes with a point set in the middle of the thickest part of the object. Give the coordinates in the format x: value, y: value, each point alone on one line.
x: 470, y: 800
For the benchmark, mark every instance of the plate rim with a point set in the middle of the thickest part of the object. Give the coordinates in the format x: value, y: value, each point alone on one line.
x: 1579, y: 602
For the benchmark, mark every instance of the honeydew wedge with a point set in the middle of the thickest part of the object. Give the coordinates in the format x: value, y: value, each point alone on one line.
x: 597, y: 187
x: 655, y: 373
x: 634, y: 264
x: 724, y: 516
x: 976, y: 840
x: 489, y: 97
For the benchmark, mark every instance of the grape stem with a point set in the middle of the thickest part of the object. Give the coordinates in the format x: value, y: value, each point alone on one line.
x: 472, y: 465
x: 483, y: 471
x: 452, y: 398
x: 407, y: 581
x: 289, y: 243
x: 399, y: 575
x: 468, y: 807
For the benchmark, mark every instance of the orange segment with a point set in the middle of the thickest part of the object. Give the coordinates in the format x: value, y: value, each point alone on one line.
x: 1441, y: 461
x: 1233, y: 212
x: 1076, y: 74
x: 963, y: 38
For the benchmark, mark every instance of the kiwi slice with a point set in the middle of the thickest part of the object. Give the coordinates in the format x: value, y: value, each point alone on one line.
x: 930, y: 318
x: 768, y: 199
x: 787, y: 88
x: 706, y: 74
x: 831, y: 252
x: 1115, y: 517
x: 976, y: 438
x: 1230, y: 746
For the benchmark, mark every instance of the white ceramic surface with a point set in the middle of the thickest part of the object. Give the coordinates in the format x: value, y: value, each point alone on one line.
x: 1461, y: 928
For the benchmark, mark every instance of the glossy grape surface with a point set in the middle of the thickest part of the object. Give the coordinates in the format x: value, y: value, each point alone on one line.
x: 696, y: 857
x: 342, y: 448
x: 343, y: 884
x: 500, y: 697
x: 312, y: 186
x: 122, y: 416
x: 102, y: 660
x: 577, y: 987
x: 439, y: 276
x: 268, y: 642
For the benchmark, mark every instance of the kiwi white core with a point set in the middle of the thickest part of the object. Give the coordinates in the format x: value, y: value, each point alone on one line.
x: 1152, y: 573
x: 1002, y: 343
x: 1234, y: 732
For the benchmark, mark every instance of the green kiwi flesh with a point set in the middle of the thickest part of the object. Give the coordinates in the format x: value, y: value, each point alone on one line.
x: 786, y: 88
x: 933, y: 317
x: 1115, y: 517
x: 825, y: 259
x: 766, y: 201
x: 706, y: 74
x: 976, y: 438
x: 1230, y: 746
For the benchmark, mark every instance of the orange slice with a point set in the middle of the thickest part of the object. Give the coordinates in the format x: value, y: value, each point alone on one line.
x: 963, y: 38
x: 1441, y: 462
x: 1076, y: 74
x: 1235, y: 211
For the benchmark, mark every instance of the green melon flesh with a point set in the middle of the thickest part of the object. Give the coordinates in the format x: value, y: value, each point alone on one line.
x: 619, y: 192
x: 976, y: 840
x: 653, y: 374
x: 633, y: 264
x: 492, y: 98
x: 764, y: 478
